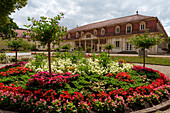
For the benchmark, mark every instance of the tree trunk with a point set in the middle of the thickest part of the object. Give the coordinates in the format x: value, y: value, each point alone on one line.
x: 49, y: 58
x: 143, y: 57
x: 16, y: 56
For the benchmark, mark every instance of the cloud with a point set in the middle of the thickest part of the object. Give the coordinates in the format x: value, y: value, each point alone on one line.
x: 81, y: 12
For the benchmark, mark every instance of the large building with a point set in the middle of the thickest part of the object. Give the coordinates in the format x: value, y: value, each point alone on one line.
x: 116, y: 32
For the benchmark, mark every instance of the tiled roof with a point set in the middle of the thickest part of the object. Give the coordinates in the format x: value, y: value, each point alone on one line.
x: 21, y: 34
x: 111, y: 22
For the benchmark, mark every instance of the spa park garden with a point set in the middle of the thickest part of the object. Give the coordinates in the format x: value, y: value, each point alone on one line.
x: 76, y: 82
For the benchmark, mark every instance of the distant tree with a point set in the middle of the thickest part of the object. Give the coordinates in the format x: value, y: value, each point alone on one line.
x: 66, y: 47
x: 108, y: 47
x: 7, y: 7
x: 8, y: 31
x: 88, y: 49
x: 17, y: 44
x: 145, y: 41
x: 47, y: 31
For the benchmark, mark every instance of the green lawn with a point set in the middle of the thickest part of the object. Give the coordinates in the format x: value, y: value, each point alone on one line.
x: 149, y: 60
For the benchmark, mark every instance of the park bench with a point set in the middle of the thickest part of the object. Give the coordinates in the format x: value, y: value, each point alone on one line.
x: 14, y: 54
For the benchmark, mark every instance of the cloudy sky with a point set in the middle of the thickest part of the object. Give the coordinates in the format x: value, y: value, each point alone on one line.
x: 81, y: 12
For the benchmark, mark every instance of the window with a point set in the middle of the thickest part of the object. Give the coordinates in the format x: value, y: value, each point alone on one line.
x: 43, y: 46
x: 82, y: 33
x: 69, y: 36
x: 128, y: 46
x: 142, y: 25
x: 39, y: 46
x: 53, y: 46
x: 77, y: 34
x: 128, y: 28
x: 117, y: 30
x: 95, y: 32
x: 102, y: 31
x: 117, y: 43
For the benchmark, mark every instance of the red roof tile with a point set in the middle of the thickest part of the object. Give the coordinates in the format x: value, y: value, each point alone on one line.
x: 111, y: 22
x: 21, y: 34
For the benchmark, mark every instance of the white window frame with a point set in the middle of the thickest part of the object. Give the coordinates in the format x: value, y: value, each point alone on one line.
x: 82, y: 33
x: 142, y: 23
x: 77, y: 34
x: 128, y: 47
x: 117, y: 27
x: 95, y: 32
x: 128, y: 25
x: 102, y: 33
x: 69, y: 35
x: 117, y: 44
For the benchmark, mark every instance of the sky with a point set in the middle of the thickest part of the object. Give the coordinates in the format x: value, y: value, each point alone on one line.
x: 82, y: 12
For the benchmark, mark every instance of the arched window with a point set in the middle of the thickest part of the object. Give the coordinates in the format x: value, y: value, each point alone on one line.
x: 77, y: 34
x: 102, y: 31
x: 69, y: 35
x: 117, y: 29
x: 129, y: 28
x: 95, y: 32
x: 82, y: 33
x: 142, y: 25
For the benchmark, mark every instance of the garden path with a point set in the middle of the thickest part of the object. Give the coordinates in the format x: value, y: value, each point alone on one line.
x: 161, y: 68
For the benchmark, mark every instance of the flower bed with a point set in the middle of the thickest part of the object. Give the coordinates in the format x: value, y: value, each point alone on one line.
x: 128, y: 88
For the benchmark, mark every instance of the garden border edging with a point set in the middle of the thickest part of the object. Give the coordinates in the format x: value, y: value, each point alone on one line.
x: 161, y: 106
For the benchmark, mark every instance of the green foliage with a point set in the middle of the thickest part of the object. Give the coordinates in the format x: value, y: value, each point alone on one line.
x: 2, y: 56
x: 146, y: 40
x: 38, y: 62
x: 17, y: 44
x: 46, y: 30
x: 104, y: 59
x: 9, y: 6
x: 108, y: 47
x: 7, y: 31
x: 88, y: 49
x: 66, y: 47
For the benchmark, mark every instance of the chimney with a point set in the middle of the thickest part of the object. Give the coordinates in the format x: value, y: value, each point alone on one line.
x: 136, y: 12
x: 77, y: 26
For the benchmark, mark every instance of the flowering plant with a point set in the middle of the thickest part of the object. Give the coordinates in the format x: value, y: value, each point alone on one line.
x: 15, y: 71
x: 44, y: 80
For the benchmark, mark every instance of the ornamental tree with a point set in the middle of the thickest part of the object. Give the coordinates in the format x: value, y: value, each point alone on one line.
x: 47, y: 31
x: 66, y: 47
x: 145, y: 41
x: 108, y: 47
x: 17, y: 44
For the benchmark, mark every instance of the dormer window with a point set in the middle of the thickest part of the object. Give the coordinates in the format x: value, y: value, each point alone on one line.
x: 129, y: 28
x: 102, y: 31
x: 77, y: 34
x: 117, y: 30
x: 142, y: 25
x: 69, y: 35
x: 82, y: 33
x: 95, y: 32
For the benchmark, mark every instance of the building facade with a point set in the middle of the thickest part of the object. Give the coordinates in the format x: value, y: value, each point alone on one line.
x: 116, y: 32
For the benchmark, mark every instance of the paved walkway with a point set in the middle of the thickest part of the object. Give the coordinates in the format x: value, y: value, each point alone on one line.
x: 162, y: 69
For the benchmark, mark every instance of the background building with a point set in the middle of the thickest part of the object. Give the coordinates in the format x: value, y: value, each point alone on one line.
x: 116, y: 32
